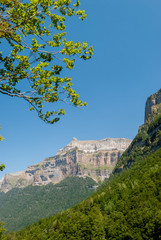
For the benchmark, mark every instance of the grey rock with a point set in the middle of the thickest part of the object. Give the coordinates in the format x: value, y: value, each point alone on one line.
x: 153, y: 104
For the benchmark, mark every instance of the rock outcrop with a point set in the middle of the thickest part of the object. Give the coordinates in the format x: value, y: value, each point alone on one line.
x: 153, y: 105
x: 95, y: 159
x: 148, y: 139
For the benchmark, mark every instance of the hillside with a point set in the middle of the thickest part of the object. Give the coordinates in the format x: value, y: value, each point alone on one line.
x: 125, y: 207
x: 148, y: 139
x: 146, y: 142
x: 21, y: 207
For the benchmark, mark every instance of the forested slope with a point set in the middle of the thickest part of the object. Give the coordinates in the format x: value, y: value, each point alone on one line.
x: 21, y: 207
x: 126, y: 207
x: 146, y: 142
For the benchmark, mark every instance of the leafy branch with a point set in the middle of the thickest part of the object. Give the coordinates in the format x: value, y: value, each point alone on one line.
x: 40, y: 53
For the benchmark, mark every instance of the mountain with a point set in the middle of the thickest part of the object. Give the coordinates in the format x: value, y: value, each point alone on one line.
x: 148, y: 139
x: 22, y: 207
x: 95, y: 159
x: 127, y: 206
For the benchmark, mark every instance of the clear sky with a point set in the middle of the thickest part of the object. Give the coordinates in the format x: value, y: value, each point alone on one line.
x: 124, y: 71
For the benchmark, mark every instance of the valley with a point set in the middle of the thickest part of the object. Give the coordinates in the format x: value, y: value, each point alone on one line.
x: 125, y: 206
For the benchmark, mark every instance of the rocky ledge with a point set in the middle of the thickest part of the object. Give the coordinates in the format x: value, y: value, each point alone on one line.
x: 153, y: 105
x: 92, y: 146
x: 94, y: 158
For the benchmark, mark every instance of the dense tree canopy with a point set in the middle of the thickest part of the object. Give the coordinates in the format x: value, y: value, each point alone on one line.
x: 35, y: 34
x: 22, y: 207
x: 2, y: 229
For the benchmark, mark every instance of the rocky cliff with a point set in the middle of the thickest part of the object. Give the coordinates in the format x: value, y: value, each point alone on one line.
x: 95, y: 159
x: 153, y: 105
x: 148, y: 139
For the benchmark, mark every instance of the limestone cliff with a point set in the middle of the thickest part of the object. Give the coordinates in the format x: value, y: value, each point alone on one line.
x: 153, y: 105
x: 148, y: 139
x: 92, y: 146
x: 95, y: 159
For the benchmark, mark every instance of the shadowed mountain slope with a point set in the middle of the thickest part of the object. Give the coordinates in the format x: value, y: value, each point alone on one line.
x: 21, y: 207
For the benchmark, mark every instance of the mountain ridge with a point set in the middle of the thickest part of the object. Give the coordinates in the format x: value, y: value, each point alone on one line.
x: 95, y: 159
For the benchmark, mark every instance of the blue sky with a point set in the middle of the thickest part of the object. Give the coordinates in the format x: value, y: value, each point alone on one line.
x: 124, y: 71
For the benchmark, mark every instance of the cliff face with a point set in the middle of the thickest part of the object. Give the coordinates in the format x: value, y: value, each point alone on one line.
x: 95, y: 159
x: 153, y: 105
x: 148, y: 139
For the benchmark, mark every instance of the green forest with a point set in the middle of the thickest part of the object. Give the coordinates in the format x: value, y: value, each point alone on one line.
x: 147, y: 141
x: 22, y: 207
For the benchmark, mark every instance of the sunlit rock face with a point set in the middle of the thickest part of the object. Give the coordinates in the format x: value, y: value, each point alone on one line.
x: 92, y: 146
x: 18, y: 180
x: 153, y: 105
x: 94, y: 158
